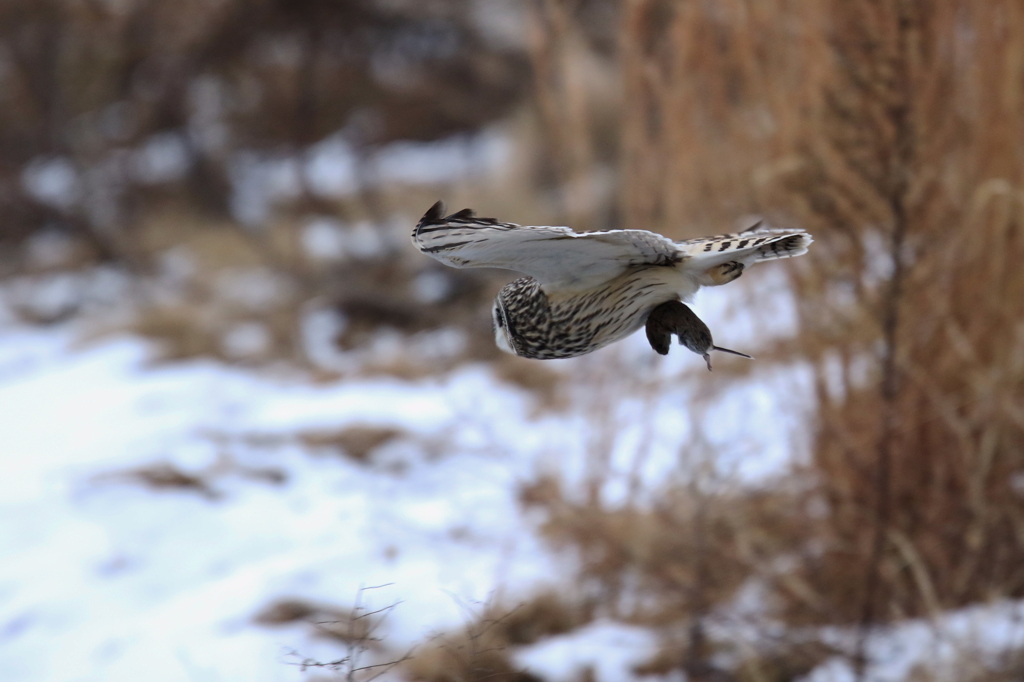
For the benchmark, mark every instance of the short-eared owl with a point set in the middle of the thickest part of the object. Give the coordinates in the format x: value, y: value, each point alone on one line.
x: 586, y: 290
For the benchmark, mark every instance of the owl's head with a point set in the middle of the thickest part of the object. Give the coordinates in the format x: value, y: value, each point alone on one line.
x: 499, y: 320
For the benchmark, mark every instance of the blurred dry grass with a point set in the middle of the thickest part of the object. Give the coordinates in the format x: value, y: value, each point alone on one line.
x: 481, y: 651
x: 917, y: 361
x: 891, y: 130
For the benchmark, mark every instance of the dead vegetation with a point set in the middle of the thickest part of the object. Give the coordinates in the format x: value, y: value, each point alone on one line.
x: 167, y: 476
x: 358, y: 631
x: 651, y: 564
x: 137, y: 139
x: 348, y: 626
x: 357, y: 442
x: 678, y: 564
x: 482, y: 650
x: 917, y: 369
x: 883, y: 127
x: 164, y: 476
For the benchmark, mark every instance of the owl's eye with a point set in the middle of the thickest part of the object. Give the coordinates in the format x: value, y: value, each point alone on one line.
x: 498, y: 319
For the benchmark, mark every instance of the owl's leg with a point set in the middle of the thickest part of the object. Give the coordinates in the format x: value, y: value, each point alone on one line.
x: 722, y: 274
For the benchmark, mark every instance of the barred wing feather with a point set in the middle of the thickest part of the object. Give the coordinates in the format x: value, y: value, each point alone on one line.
x: 556, y: 256
x: 748, y: 247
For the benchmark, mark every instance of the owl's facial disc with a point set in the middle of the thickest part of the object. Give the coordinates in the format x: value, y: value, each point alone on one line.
x: 500, y: 329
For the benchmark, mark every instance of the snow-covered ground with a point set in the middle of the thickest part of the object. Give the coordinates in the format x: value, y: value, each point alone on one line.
x: 102, y: 578
x: 105, y: 578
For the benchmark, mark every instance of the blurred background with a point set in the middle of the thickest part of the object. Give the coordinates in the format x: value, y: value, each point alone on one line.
x: 248, y: 432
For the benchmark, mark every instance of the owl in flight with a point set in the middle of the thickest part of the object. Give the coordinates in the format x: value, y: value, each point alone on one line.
x: 584, y: 291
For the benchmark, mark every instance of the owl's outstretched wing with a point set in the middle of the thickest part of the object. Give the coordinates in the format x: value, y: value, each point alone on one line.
x: 748, y: 247
x: 555, y: 256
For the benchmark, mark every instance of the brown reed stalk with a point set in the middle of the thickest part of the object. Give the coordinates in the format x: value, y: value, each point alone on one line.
x: 878, y: 48
x: 892, y: 130
x: 904, y: 154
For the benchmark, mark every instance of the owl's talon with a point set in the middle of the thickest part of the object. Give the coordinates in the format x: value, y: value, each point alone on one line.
x: 724, y: 273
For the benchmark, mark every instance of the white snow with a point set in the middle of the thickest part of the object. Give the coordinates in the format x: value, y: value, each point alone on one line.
x: 163, y: 157
x: 104, y: 579
x: 982, y: 632
x: 334, y: 167
x: 607, y: 649
x: 53, y: 180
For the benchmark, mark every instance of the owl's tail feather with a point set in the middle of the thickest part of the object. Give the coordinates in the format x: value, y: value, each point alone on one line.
x: 784, y: 247
x: 747, y: 247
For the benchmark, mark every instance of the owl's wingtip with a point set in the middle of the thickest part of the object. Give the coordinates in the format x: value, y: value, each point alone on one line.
x: 434, y: 214
x: 465, y: 214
